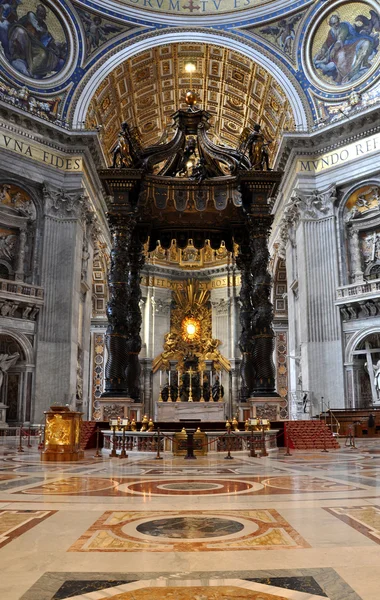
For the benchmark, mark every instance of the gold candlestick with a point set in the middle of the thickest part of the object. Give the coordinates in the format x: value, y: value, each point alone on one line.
x: 190, y: 371
x: 179, y: 386
x: 160, y: 396
x: 201, y: 399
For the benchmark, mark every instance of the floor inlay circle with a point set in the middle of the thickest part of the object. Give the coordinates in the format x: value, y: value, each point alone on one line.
x: 183, y: 488
x: 190, y: 528
x: 194, y: 486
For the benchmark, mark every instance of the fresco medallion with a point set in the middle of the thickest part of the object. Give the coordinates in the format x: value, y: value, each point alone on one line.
x: 34, y: 41
x: 343, y: 47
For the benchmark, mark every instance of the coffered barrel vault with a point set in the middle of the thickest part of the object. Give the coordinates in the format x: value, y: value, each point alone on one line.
x: 148, y: 88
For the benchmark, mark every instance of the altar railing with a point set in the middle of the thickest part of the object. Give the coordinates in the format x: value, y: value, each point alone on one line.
x: 146, y: 441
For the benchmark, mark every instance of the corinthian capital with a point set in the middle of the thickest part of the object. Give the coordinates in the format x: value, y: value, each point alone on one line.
x: 63, y: 204
x: 316, y: 205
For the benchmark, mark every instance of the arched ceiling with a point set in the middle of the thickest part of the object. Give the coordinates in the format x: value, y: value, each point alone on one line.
x: 148, y: 88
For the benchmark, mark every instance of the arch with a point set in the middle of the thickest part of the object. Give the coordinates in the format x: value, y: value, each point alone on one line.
x: 23, y: 342
x: 356, y: 186
x: 4, y: 264
x: 80, y: 104
x: 358, y: 337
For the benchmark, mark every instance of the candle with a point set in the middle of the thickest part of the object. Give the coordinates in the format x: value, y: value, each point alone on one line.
x: 201, y: 379
x: 179, y: 378
x: 210, y: 378
x: 220, y: 374
x: 160, y: 378
x: 169, y: 376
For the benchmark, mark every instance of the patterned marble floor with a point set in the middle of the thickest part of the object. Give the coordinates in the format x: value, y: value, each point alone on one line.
x: 304, y: 527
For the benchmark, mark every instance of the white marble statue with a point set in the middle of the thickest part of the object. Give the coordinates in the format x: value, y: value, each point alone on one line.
x: 376, y: 376
x: 6, y: 362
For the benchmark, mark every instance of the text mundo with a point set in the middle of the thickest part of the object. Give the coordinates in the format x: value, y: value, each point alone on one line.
x: 351, y: 152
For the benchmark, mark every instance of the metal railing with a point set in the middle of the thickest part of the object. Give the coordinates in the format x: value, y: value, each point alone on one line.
x: 329, y: 418
x: 12, y: 438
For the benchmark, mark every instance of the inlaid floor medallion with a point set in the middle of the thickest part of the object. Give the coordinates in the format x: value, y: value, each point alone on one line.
x: 190, y: 528
x: 186, y: 531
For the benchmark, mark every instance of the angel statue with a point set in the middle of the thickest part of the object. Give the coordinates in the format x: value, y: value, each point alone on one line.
x: 6, y: 362
x: 257, y: 148
x: 120, y: 153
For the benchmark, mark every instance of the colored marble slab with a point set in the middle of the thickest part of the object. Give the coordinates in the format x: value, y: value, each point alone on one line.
x: 19, y: 482
x: 294, y: 584
x: 203, y: 593
x: 301, y: 584
x: 365, y: 519
x: 132, y: 531
x: 119, y: 486
x: 73, y: 588
x: 14, y: 523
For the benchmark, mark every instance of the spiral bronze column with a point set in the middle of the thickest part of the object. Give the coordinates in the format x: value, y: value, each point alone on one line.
x: 262, y: 316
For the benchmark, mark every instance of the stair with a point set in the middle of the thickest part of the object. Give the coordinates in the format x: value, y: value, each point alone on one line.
x: 309, y: 435
x: 87, y: 434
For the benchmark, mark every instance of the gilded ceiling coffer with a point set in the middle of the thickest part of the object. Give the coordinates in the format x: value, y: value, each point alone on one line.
x: 222, y: 198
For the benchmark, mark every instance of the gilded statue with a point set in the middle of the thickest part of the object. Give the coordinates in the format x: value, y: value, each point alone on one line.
x: 120, y: 153
x: 257, y: 148
x: 192, y: 309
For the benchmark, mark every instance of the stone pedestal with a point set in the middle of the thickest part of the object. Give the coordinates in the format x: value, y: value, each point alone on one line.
x: 3, y: 416
x: 206, y: 412
x: 267, y: 407
x: 111, y: 408
x: 62, y: 435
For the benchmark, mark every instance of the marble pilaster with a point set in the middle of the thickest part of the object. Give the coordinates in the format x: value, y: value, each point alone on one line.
x: 57, y: 347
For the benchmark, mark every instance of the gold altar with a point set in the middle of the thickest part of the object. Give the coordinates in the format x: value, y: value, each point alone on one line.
x: 62, y: 435
x: 180, y: 443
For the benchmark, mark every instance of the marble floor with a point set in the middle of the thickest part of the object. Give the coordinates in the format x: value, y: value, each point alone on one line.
x: 303, y: 527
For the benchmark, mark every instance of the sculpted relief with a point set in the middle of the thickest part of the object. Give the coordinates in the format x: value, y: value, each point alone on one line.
x: 32, y: 38
x: 345, y: 44
x: 16, y: 202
